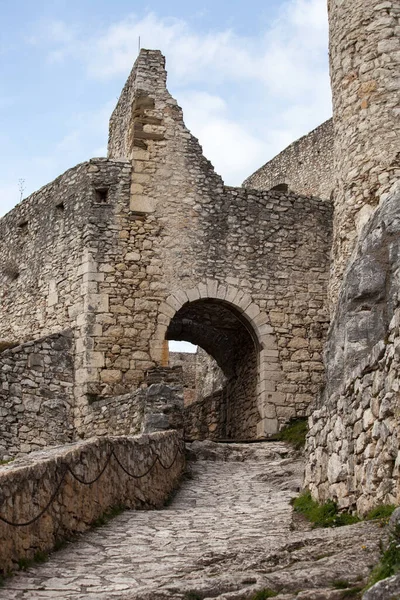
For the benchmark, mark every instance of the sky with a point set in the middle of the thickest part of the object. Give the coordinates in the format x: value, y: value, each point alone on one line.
x: 251, y: 76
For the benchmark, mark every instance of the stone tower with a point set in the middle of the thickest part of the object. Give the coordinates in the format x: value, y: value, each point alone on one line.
x: 365, y: 67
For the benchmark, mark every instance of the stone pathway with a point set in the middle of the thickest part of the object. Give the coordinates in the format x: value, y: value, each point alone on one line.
x: 228, y: 533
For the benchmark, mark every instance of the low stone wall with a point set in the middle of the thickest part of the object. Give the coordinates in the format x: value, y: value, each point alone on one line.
x: 157, y: 407
x: 36, y: 395
x: 78, y: 483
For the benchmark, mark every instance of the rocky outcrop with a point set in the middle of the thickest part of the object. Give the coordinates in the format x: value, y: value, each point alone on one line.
x: 353, y: 443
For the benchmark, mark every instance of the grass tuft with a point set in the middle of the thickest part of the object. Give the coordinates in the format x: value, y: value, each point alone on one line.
x: 322, y: 515
x: 264, y: 594
x: 383, y: 511
x: 390, y: 560
x: 294, y: 433
x: 39, y: 557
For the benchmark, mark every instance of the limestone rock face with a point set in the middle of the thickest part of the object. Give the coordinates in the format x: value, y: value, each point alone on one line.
x: 353, y: 443
x: 384, y: 590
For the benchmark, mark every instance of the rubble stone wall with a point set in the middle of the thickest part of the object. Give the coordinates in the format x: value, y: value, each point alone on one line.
x: 41, y: 247
x: 146, y: 409
x: 26, y: 487
x: 36, y: 395
x: 306, y: 166
x: 152, y: 228
x: 354, y: 438
x: 365, y: 63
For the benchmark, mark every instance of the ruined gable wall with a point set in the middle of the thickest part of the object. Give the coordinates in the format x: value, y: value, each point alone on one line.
x: 365, y: 63
x: 182, y: 227
x: 306, y: 166
x: 36, y: 395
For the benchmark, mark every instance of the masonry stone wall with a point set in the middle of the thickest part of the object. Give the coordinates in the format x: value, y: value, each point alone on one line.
x: 156, y: 407
x: 36, y: 395
x: 365, y: 63
x: 153, y: 228
x: 354, y: 438
x: 87, y: 478
x: 305, y: 167
x: 42, y: 243
x: 188, y: 361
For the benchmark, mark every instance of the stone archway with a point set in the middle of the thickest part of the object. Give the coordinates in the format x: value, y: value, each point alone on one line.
x: 246, y: 317
x: 220, y: 330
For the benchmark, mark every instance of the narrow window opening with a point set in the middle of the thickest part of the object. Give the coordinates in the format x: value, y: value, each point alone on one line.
x: 60, y: 207
x: 281, y: 187
x: 23, y: 227
x: 101, y: 195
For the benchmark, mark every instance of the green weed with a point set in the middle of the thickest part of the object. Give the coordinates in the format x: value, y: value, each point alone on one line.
x: 389, y: 563
x: 322, y: 515
x: 39, y: 557
x: 108, y: 514
x: 264, y: 594
x: 383, y: 511
x: 294, y: 433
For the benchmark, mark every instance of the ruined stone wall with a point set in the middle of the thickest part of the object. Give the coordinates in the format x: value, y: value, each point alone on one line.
x: 209, y: 377
x: 153, y: 227
x: 147, y: 409
x: 42, y: 243
x: 365, y: 63
x: 182, y: 229
x: 354, y: 438
x: 306, y: 166
x: 26, y: 485
x: 201, y: 374
x: 206, y: 418
x: 36, y: 395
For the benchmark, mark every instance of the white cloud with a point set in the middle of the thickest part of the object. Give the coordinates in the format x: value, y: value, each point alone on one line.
x: 281, y: 76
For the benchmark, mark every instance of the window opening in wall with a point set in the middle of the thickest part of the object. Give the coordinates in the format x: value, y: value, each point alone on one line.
x: 101, y: 195
x: 281, y: 187
x: 23, y: 227
x: 60, y: 207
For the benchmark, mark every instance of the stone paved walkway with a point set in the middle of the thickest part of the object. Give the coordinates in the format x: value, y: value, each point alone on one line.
x: 228, y: 532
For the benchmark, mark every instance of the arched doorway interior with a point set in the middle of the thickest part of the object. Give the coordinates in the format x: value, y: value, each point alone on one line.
x: 221, y: 330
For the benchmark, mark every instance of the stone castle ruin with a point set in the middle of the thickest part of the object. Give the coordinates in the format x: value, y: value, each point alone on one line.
x: 290, y: 282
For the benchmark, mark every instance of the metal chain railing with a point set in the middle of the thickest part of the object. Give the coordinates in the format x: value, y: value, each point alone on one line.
x: 67, y: 469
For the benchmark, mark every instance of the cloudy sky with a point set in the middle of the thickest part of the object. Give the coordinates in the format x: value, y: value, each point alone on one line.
x: 251, y: 77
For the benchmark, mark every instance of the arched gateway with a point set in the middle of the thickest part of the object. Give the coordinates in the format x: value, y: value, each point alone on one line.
x: 230, y: 327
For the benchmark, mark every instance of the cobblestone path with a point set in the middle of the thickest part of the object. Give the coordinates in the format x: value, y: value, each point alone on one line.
x: 228, y: 533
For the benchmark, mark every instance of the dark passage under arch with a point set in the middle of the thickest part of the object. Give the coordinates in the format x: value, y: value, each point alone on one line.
x: 223, y: 333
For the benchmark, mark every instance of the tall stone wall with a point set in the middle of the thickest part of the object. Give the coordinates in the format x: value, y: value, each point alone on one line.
x: 365, y: 63
x: 36, y: 395
x: 354, y: 439
x: 305, y: 167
